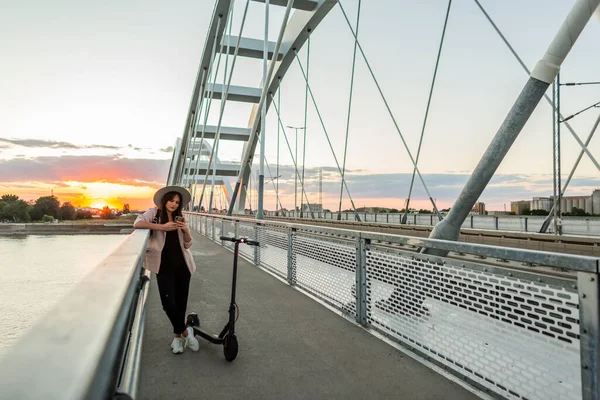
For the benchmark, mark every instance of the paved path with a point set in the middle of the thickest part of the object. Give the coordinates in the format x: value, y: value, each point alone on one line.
x: 291, y: 347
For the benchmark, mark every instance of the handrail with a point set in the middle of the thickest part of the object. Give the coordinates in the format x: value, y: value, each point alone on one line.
x: 76, y: 351
x: 131, y: 366
x: 559, y: 260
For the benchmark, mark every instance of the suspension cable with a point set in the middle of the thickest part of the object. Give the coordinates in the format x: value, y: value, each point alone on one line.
x: 278, y: 134
x: 198, y: 110
x: 305, y: 112
x: 390, y: 112
x: 217, y: 141
x: 437, y: 63
x: 583, y: 146
x: 264, y: 91
x: 206, y: 111
x: 339, y: 216
x: 326, y: 134
x: 271, y: 176
x: 225, y: 94
x: 193, y: 122
x: 291, y: 155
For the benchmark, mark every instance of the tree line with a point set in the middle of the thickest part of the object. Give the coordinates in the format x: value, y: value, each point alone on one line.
x: 45, y: 208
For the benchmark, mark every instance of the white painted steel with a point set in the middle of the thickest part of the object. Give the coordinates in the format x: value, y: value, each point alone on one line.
x: 549, y: 66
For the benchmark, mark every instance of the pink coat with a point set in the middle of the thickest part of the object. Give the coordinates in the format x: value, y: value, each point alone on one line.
x: 157, y: 242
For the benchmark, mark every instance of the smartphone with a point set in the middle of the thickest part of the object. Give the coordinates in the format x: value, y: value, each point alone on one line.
x: 179, y: 219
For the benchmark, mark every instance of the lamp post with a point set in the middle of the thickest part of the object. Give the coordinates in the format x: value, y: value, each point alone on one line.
x: 296, y: 174
x: 276, y: 194
x: 555, y: 214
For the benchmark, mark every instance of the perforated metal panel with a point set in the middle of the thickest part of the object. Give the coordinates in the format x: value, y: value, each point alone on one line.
x: 484, y: 222
x: 229, y: 231
x: 203, y: 225
x: 516, y: 336
x: 511, y: 224
x: 247, y: 231
x: 217, y: 230
x: 325, y: 267
x: 209, y: 227
x: 273, y: 249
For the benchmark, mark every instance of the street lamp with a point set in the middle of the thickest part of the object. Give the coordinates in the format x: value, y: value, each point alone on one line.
x: 296, y: 175
x: 276, y: 194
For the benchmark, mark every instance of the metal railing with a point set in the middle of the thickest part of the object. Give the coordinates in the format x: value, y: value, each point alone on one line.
x: 88, y: 345
x: 512, y: 333
x: 586, y: 226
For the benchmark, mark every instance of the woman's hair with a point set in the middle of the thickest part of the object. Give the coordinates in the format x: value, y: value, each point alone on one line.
x: 162, y: 210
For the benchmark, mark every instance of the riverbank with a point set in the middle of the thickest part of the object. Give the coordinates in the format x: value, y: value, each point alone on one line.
x: 68, y: 228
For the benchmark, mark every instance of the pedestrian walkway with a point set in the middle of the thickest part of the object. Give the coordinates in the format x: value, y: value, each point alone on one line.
x: 290, y: 346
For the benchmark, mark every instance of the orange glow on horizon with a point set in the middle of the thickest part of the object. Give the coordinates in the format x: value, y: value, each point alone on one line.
x: 86, y: 194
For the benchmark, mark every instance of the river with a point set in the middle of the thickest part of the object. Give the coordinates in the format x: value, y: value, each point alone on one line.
x: 37, y: 271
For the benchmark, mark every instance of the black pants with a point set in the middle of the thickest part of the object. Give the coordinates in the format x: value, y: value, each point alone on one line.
x: 173, y: 286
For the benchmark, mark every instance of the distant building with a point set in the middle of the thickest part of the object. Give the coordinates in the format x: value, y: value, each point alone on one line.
x: 596, y: 202
x: 518, y: 207
x: 590, y: 204
x: 498, y: 213
x: 542, y: 203
x: 315, y: 208
x: 479, y: 209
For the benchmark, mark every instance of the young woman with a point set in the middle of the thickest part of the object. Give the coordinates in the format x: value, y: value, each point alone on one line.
x: 169, y: 257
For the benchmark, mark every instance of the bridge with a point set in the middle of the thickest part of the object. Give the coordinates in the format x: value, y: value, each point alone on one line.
x: 335, y: 305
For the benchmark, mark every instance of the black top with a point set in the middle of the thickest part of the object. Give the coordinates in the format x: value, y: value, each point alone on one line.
x: 171, y: 254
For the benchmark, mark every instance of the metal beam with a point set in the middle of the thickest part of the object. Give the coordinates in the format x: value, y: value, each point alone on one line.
x: 236, y: 93
x: 541, y: 77
x: 305, y: 5
x: 252, y: 48
x: 227, y: 133
x: 223, y: 169
x: 297, y: 31
x: 215, y: 31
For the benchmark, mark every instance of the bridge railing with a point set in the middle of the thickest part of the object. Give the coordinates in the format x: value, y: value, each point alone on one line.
x: 482, y: 313
x: 88, y: 345
x: 511, y: 223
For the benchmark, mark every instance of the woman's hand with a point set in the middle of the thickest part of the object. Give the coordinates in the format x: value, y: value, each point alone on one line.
x: 183, y: 226
x: 170, y: 226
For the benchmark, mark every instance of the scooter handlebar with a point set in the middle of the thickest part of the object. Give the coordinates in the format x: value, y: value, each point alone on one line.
x: 241, y: 240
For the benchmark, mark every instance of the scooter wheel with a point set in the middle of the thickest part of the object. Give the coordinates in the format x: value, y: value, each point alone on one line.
x: 230, y: 347
x: 192, y: 320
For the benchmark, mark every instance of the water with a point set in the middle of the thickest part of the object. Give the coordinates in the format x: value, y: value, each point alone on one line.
x: 37, y: 271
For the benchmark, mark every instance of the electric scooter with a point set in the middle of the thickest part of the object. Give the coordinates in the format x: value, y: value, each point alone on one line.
x: 227, y: 336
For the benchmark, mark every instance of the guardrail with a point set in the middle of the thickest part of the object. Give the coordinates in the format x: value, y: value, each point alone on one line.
x: 88, y: 345
x: 586, y: 226
x: 511, y: 333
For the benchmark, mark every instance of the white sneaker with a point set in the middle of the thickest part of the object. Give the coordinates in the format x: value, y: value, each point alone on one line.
x: 190, y: 340
x: 177, y: 345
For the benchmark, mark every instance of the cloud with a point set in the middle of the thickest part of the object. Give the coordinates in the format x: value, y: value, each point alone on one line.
x: 56, y: 145
x: 444, y: 187
x: 51, y: 144
x: 84, y: 169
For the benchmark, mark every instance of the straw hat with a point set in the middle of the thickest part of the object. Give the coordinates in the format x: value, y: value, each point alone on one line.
x: 185, y: 195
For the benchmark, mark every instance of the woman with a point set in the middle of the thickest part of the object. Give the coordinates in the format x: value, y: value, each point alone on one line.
x: 169, y: 257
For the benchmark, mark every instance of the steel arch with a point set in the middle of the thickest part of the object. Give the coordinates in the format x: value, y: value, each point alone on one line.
x: 306, y: 17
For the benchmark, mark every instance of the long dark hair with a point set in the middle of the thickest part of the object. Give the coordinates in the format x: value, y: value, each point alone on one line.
x: 161, y: 212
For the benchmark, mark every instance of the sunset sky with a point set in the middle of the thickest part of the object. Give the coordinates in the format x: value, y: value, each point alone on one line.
x: 94, y: 94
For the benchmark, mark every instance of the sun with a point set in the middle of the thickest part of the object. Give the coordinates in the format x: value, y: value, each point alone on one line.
x: 99, y: 205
